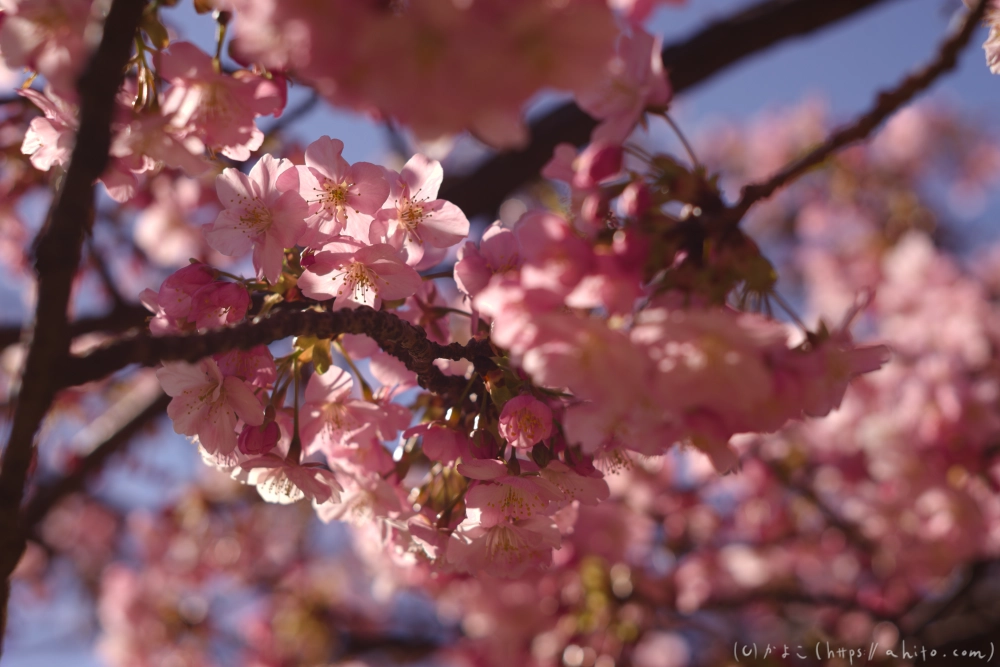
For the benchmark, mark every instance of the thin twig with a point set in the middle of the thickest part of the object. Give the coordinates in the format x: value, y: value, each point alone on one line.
x: 887, y: 103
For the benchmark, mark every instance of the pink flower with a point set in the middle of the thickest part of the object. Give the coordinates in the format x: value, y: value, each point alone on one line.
x: 414, y: 219
x: 634, y: 81
x: 217, y: 108
x: 585, y: 490
x: 255, y: 365
x: 49, y: 140
x: 506, y: 497
x: 525, y: 421
x: 207, y: 404
x: 178, y: 290
x: 259, y: 215
x: 441, y: 443
x: 497, y: 254
x: 358, y: 275
x: 148, y: 142
x: 334, y: 189
x: 506, y: 549
x: 364, y: 499
x: 555, y: 258
x: 331, y: 418
x: 281, y: 481
x: 48, y: 37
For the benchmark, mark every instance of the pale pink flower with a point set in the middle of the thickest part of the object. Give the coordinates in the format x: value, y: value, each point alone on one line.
x: 279, y: 480
x: 166, y: 229
x: 48, y: 37
x: 573, y: 486
x: 497, y: 254
x: 506, y: 549
x: 50, y: 139
x: 331, y: 418
x: 414, y: 218
x: 634, y: 81
x: 554, y: 257
x: 207, y: 404
x: 335, y: 189
x: 255, y: 365
x: 148, y: 142
x: 357, y: 274
x: 217, y: 108
x: 259, y: 215
x: 364, y: 499
x: 506, y: 497
x: 525, y: 421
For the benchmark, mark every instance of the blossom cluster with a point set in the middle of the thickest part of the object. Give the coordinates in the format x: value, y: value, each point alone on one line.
x: 596, y: 357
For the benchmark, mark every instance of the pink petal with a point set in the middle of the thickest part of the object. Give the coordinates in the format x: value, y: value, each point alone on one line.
x: 241, y: 399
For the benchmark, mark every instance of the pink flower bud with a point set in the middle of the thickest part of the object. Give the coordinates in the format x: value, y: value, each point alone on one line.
x: 525, y: 421
x: 600, y: 161
x: 259, y: 440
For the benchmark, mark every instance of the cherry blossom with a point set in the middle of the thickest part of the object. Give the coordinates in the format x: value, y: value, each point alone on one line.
x: 335, y: 190
x: 217, y: 108
x: 525, y: 421
x: 414, y: 219
x: 207, y: 404
x: 258, y: 214
x: 355, y: 275
x: 634, y: 81
x: 279, y: 480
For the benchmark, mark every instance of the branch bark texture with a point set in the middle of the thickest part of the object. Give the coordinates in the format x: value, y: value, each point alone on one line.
x: 57, y: 255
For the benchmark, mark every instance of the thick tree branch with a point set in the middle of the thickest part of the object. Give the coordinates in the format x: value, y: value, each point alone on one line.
x: 690, y: 62
x: 57, y: 256
x: 397, y: 337
x: 887, y: 103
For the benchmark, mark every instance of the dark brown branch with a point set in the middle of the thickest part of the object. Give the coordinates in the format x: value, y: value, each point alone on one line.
x: 397, y: 337
x: 57, y: 257
x: 47, y: 496
x: 690, y: 62
x: 887, y: 103
x: 119, y: 320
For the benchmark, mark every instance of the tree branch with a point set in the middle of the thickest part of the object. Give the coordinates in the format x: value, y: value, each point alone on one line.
x: 887, y: 103
x: 396, y: 336
x: 120, y: 319
x: 57, y: 257
x: 127, y: 421
x: 690, y: 62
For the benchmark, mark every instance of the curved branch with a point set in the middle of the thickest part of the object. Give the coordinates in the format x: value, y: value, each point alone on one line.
x: 690, y: 62
x: 396, y: 336
x: 57, y: 257
x: 887, y: 103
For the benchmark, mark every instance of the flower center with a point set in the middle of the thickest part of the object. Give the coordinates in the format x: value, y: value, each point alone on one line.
x: 256, y: 218
x: 334, y: 197
x: 360, y: 279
